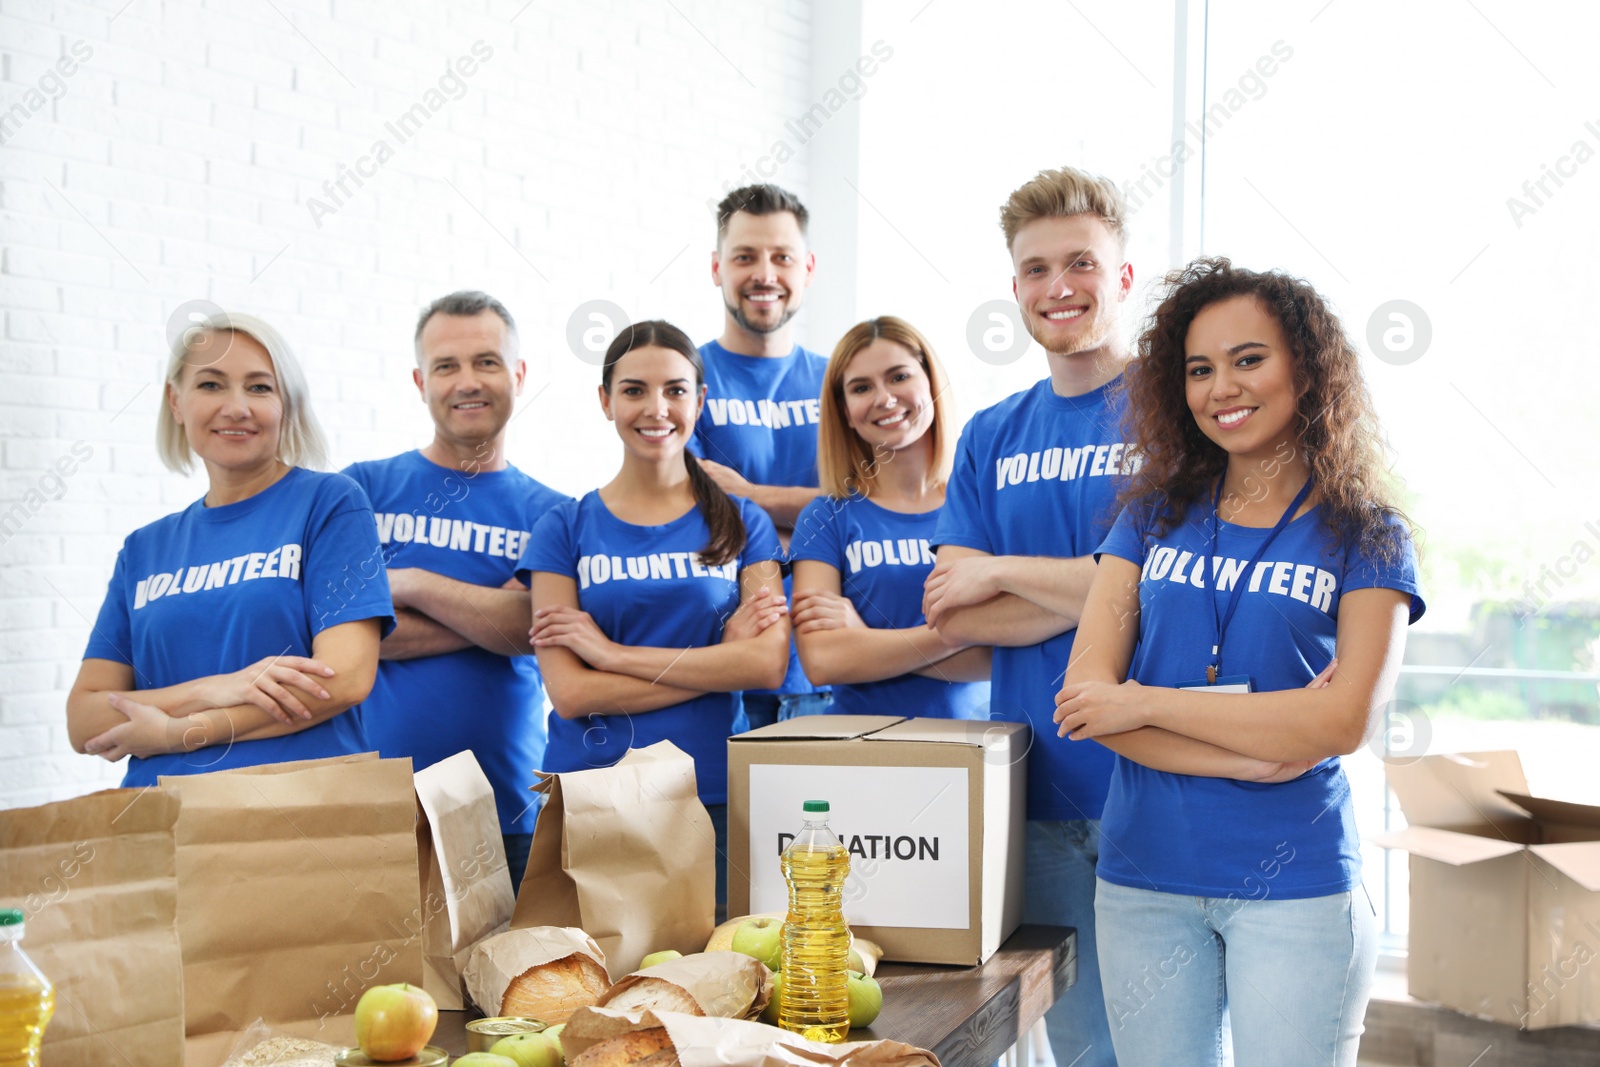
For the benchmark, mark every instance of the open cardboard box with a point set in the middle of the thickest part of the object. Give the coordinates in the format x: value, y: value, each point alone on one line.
x: 931, y: 809
x: 1505, y: 891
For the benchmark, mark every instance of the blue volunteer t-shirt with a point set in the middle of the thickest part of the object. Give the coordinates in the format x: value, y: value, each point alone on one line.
x: 883, y: 557
x: 645, y: 586
x: 473, y: 528
x: 1037, y: 475
x: 761, y: 418
x: 761, y: 414
x: 1216, y: 837
x: 213, y: 590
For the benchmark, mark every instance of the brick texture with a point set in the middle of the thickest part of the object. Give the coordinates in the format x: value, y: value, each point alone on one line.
x: 156, y: 153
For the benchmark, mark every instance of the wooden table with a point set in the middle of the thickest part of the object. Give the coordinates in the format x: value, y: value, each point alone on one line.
x: 967, y: 1016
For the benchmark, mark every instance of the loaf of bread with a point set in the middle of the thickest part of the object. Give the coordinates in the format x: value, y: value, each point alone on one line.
x: 652, y: 994
x: 553, y: 991
x: 639, y: 1048
x: 728, y: 985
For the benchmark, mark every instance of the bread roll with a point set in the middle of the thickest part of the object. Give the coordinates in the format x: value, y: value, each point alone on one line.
x: 667, y: 1057
x: 727, y: 985
x: 639, y: 1048
x: 653, y: 994
x: 552, y: 991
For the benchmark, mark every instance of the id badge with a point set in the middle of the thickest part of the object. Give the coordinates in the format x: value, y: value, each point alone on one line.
x: 1228, y: 683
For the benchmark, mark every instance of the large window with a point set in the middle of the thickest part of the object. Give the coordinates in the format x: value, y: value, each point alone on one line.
x: 977, y: 99
x: 1434, y: 168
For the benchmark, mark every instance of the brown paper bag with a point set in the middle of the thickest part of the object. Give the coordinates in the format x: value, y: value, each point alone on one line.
x: 728, y: 985
x: 627, y: 854
x: 495, y: 964
x: 297, y: 889
x: 466, y: 886
x: 96, y: 879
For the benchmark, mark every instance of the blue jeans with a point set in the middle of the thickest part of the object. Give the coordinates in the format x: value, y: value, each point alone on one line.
x: 517, y: 848
x: 764, y: 709
x: 719, y: 827
x: 519, y: 845
x: 1059, y: 891
x: 1290, y: 978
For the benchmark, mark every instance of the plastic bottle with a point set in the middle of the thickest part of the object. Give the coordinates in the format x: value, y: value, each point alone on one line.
x: 816, y: 940
x: 27, y: 999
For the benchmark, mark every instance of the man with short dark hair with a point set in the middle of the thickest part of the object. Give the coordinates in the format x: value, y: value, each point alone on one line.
x: 458, y: 673
x: 757, y: 436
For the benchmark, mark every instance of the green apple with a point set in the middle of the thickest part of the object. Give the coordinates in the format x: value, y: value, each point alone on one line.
x: 769, y: 1014
x: 394, y: 1022
x: 530, y: 1050
x: 762, y: 937
x: 660, y: 957
x: 483, y: 1059
x: 857, y: 963
x: 866, y: 999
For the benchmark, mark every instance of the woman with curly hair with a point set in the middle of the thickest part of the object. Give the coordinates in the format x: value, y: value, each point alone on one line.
x: 1245, y: 626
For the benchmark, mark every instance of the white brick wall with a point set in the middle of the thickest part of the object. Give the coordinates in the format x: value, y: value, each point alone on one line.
x: 175, y: 164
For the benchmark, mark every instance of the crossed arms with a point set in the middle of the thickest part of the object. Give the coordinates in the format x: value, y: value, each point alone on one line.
x: 587, y: 673
x: 108, y: 716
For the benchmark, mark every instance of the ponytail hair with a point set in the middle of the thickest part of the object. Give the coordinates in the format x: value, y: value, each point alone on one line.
x: 721, y: 514
x: 716, y: 507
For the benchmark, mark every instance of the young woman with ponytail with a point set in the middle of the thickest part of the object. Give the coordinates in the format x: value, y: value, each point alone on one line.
x: 657, y: 598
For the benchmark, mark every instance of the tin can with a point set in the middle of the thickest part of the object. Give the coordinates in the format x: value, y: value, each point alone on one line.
x: 483, y: 1033
x: 432, y: 1056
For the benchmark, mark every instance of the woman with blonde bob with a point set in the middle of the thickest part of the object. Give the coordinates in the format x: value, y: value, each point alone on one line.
x: 862, y: 550
x: 237, y: 631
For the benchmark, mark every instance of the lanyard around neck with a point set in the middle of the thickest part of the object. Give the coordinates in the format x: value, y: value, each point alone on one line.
x: 1220, y: 622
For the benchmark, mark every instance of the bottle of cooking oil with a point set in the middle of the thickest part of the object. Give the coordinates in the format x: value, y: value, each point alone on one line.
x: 816, y: 942
x: 27, y: 999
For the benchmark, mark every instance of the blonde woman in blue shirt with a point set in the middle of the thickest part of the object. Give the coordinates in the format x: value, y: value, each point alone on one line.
x: 863, y: 549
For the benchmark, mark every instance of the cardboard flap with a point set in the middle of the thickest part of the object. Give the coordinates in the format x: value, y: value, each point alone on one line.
x: 819, y: 728
x: 979, y: 733
x: 1579, y: 861
x: 1556, y: 811
x: 1458, y: 789
x: 1455, y: 849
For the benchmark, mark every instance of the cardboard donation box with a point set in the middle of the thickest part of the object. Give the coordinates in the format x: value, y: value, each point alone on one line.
x: 1505, y: 891
x: 931, y: 810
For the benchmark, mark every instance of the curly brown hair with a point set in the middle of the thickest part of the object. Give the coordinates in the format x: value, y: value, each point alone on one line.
x: 1337, y: 431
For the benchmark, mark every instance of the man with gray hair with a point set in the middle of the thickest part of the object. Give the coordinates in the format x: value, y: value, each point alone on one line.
x: 458, y: 673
